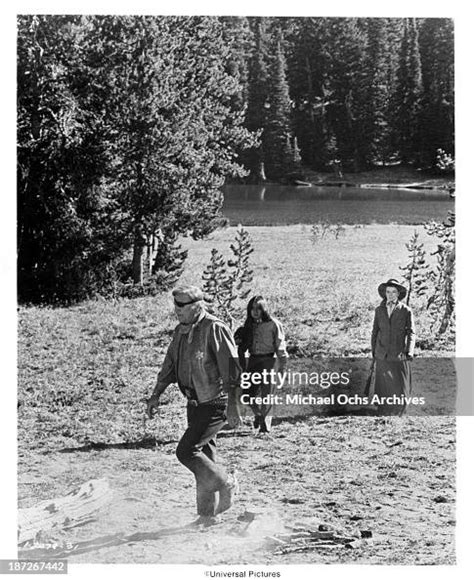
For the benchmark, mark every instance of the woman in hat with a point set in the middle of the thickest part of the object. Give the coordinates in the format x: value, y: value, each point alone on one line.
x: 262, y: 336
x: 393, y: 343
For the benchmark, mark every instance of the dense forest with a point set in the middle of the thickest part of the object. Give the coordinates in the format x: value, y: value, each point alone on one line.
x: 128, y: 126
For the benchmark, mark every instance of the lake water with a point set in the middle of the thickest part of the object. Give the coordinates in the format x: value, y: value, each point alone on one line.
x: 279, y: 204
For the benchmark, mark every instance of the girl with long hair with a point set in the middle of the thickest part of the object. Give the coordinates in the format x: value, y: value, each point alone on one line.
x: 263, y: 338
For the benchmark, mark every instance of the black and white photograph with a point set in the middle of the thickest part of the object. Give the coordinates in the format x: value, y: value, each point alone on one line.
x: 237, y: 298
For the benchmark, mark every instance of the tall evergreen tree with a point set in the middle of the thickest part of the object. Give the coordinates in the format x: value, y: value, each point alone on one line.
x: 395, y: 27
x: 437, y: 63
x: 238, y: 37
x: 409, y: 94
x: 178, y: 131
x: 133, y: 126
x: 308, y: 76
x: 257, y: 94
x: 278, y: 154
x: 69, y: 225
x: 378, y: 133
x: 346, y: 112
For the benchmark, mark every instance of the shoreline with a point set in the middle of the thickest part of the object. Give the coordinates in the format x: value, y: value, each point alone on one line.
x: 421, y: 186
x: 386, y: 178
x: 448, y: 187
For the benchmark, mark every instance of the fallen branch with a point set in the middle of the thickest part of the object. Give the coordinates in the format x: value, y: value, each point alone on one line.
x: 65, y: 512
x: 307, y: 540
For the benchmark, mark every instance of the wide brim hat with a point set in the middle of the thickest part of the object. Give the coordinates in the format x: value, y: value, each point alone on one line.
x: 402, y: 291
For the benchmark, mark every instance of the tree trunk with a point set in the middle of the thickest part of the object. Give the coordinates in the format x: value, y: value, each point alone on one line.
x: 309, y: 78
x: 261, y: 178
x: 138, y: 252
x: 64, y: 512
x: 151, y: 252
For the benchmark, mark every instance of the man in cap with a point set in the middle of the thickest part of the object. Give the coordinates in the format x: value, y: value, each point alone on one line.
x: 201, y: 359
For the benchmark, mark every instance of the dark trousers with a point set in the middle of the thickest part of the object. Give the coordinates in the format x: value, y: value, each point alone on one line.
x: 261, y: 389
x: 197, y: 451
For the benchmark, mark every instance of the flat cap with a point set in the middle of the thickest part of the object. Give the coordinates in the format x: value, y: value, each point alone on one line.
x: 187, y: 294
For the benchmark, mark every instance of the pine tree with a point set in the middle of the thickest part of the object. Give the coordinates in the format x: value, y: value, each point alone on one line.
x: 168, y: 259
x: 214, y: 278
x: 441, y: 301
x: 346, y: 114
x: 70, y: 226
x: 134, y: 132
x: 177, y: 130
x: 378, y: 132
x: 227, y: 282
x: 409, y: 93
x: 256, y: 115
x: 278, y: 154
x: 238, y: 37
x: 309, y: 58
x: 395, y: 28
x: 437, y: 63
x: 416, y: 271
x: 241, y: 275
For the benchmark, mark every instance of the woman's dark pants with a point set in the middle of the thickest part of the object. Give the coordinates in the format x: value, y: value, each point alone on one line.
x: 258, y: 364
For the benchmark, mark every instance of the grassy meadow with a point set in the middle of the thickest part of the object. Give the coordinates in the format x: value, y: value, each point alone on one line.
x: 84, y: 370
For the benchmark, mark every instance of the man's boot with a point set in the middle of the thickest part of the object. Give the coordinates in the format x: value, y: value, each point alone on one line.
x: 227, y: 494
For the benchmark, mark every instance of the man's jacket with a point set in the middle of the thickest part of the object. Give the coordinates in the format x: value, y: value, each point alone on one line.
x: 211, y: 363
x: 393, y: 337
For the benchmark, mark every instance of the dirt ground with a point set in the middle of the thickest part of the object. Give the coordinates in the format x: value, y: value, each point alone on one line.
x: 393, y: 477
x: 84, y: 370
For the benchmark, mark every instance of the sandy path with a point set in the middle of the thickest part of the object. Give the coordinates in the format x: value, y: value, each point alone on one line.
x: 394, y: 477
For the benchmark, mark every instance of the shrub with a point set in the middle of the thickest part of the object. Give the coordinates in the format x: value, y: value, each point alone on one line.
x: 416, y: 271
x: 444, y: 161
x: 321, y: 229
x: 441, y: 301
x: 226, y: 282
